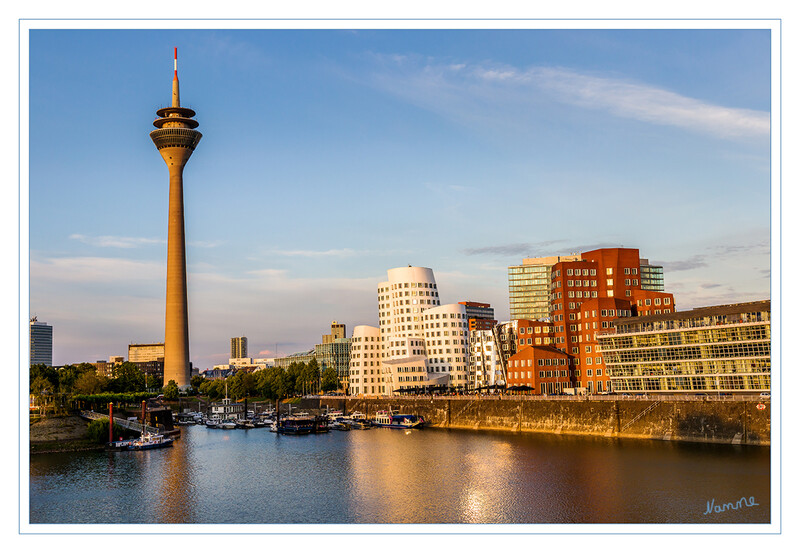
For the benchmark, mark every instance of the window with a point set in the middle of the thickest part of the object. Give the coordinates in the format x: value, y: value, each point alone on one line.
x: 588, y: 372
x: 610, y: 271
x: 666, y: 301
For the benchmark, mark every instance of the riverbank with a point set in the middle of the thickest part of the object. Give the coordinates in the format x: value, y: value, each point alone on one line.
x: 730, y: 421
x: 61, y: 434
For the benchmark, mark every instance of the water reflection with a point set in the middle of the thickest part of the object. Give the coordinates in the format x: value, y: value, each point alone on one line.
x: 393, y: 476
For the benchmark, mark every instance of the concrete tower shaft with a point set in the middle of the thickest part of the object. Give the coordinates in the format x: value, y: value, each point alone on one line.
x: 176, y: 139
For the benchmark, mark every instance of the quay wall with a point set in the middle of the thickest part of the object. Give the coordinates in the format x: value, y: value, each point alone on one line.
x: 728, y: 421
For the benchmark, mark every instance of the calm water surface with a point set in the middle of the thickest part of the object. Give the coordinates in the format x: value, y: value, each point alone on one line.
x: 395, y: 476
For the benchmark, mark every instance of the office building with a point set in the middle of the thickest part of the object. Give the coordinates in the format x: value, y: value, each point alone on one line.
x: 41, y: 343
x: 480, y: 316
x: 719, y: 349
x: 529, y: 286
x: 585, y: 295
x: 239, y: 347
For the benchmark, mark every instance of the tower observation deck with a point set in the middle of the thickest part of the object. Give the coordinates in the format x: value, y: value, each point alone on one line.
x: 176, y: 138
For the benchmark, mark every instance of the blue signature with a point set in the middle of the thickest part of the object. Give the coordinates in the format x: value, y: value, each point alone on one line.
x: 743, y: 502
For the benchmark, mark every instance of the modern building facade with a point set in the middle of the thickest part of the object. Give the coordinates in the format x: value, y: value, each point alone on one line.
x: 724, y: 348
x: 480, y: 316
x: 239, y: 347
x: 421, y: 342
x: 141, y: 353
x: 176, y: 138
x: 365, y: 376
x: 335, y: 354
x: 585, y: 295
x: 41, y: 343
x: 529, y: 286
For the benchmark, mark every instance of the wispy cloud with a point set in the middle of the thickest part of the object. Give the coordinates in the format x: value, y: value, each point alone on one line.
x: 474, y: 93
x: 694, y: 262
x: 536, y: 249
x: 116, y: 241
x: 95, y: 269
x: 344, y: 252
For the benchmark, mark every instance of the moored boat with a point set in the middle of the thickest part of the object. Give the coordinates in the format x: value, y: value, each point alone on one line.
x: 150, y: 441
x: 390, y: 419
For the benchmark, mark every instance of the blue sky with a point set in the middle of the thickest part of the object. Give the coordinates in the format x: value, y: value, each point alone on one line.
x: 329, y: 157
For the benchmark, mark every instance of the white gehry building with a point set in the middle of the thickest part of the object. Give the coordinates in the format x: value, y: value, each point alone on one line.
x: 422, y: 343
x: 365, y: 362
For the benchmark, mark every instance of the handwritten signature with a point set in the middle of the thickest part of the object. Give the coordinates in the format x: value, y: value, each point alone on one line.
x: 743, y: 502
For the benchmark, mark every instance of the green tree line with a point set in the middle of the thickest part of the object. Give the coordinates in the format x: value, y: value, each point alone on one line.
x: 57, y: 388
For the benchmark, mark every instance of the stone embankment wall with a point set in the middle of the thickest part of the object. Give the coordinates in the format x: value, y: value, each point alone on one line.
x: 730, y: 421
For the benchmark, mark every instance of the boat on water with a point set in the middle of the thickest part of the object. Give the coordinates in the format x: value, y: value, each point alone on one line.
x: 358, y: 416
x: 119, y: 445
x: 390, y: 419
x: 227, y: 425
x: 302, y: 424
x: 150, y: 441
x: 356, y: 424
x: 295, y: 425
x: 339, y: 425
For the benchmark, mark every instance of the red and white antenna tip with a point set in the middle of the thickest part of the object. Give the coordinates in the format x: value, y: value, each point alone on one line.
x: 176, y: 62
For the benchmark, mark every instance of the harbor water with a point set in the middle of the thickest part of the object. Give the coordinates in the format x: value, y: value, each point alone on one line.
x: 382, y: 476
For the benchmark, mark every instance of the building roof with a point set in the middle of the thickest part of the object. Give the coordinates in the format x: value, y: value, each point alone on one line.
x: 699, y: 312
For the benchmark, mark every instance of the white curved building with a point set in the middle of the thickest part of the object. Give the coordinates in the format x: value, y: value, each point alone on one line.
x: 365, y: 362
x: 419, y: 342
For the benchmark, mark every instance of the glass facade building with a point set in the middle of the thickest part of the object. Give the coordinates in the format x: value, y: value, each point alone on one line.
x: 529, y: 287
x: 652, y: 276
x: 724, y: 348
x: 41, y: 349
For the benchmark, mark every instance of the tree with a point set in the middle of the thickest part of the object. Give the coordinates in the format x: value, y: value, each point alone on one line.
x: 171, y: 390
x: 196, y: 381
x: 128, y: 378
x: 330, y: 380
x: 90, y: 383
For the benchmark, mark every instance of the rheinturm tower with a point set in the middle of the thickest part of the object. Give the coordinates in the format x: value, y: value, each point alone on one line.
x: 176, y: 138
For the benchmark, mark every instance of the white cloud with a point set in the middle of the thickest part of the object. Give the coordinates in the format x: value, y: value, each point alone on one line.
x: 116, y: 241
x: 94, y: 269
x: 503, y: 94
x: 344, y: 252
x: 649, y: 104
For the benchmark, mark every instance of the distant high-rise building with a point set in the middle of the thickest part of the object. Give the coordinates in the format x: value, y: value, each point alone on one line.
x: 41, y: 335
x: 239, y: 347
x: 529, y: 286
x: 338, y: 332
x: 142, y: 353
x: 149, y: 358
x: 479, y: 315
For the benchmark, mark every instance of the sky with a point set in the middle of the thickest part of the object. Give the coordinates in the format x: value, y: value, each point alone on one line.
x: 331, y: 156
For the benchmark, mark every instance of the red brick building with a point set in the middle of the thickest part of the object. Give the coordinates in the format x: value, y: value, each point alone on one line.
x: 544, y: 368
x: 585, y: 295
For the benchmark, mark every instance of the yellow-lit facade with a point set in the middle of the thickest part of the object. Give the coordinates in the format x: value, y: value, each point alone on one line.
x: 715, y: 349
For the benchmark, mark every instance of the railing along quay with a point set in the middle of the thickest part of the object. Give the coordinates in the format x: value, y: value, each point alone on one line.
x: 130, y: 425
